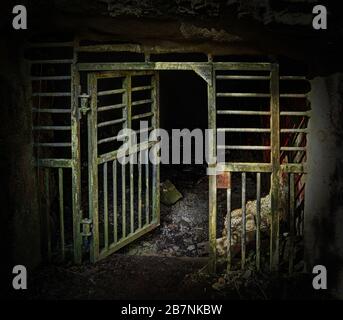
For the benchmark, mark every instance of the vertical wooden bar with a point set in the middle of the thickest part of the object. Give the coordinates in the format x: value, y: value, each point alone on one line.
x: 105, y: 205
x: 156, y: 167
x: 291, y: 218
x: 132, y: 217
x: 228, y: 225
x: 93, y: 167
x: 275, y: 159
x: 126, y: 125
x: 139, y: 191
x: 123, y: 201
x: 126, y: 99
x: 129, y: 125
x: 243, y: 232
x: 47, y: 213
x: 258, y: 221
x: 115, y: 201
x: 76, y: 167
x: 211, y: 95
x: 61, y: 205
x: 147, y: 184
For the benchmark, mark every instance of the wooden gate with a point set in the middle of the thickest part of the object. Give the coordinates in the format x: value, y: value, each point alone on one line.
x: 123, y: 184
x: 123, y: 199
x: 242, y: 91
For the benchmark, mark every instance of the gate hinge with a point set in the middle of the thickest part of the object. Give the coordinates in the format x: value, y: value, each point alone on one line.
x: 84, y: 108
x: 86, y: 227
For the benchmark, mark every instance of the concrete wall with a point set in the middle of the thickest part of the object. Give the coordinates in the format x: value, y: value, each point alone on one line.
x: 324, y: 189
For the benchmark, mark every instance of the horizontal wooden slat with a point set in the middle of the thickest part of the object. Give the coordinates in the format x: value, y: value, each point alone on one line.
x: 293, y: 95
x: 294, y: 130
x: 244, y: 147
x: 111, y: 107
x: 51, y: 94
x: 237, y: 77
x: 244, y: 66
x: 57, y: 128
x: 109, y: 123
x: 140, y: 102
x: 50, y: 78
x: 110, y: 156
x: 125, y: 241
x: 295, y: 113
x: 244, y: 112
x: 109, y: 92
x: 292, y: 78
x: 294, y: 167
x: 53, y: 144
x: 244, y: 167
x: 243, y: 95
x: 143, y: 115
x: 54, y: 163
x: 261, y: 130
x: 51, y: 44
x: 141, y: 88
x: 110, y: 48
x: 46, y: 110
x: 55, y: 61
x: 108, y: 66
x: 114, y: 138
x: 144, y: 130
x: 121, y: 73
x: 293, y: 148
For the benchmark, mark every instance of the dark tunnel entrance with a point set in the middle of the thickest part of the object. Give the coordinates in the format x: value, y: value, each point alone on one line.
x: 184, y: 187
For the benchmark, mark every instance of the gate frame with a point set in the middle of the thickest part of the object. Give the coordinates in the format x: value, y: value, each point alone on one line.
x: 206, y: 70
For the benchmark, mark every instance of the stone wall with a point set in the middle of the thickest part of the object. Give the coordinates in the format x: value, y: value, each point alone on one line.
x: 324, y: 188
x: 20, y: 225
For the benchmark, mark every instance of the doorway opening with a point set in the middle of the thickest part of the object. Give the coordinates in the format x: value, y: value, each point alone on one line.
x: 183, y: 227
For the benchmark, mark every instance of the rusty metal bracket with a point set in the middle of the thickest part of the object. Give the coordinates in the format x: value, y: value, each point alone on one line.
x: 86, y: 227
x: 84, y: 108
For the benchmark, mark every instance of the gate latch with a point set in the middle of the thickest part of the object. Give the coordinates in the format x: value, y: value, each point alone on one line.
x: 84, y: 104
x: 86, y: 227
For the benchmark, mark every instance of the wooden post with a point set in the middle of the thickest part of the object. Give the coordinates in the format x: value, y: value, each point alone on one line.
x: 275, y: 159
x: 93, y: 166
x: 258, y: 221
x: 76, y: 164
x: 156, y: 167
x: 211, y: 92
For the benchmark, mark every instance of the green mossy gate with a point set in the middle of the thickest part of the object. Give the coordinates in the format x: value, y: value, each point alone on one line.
x: 141, y: 201
x: 99, y: 225
x: 119, y: 106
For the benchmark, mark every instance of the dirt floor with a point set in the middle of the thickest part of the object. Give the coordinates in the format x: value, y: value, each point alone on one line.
x: 184, y: 225
x: 121, y: 277
x: 169, y: 263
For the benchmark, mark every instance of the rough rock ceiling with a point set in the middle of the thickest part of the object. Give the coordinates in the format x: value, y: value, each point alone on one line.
x: 280, y: 27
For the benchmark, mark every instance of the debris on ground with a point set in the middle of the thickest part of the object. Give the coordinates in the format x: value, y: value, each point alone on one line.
x: 169, y: 194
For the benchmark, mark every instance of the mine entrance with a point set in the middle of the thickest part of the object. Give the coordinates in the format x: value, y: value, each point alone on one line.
x: 184, y: 182
x: 78, y: 109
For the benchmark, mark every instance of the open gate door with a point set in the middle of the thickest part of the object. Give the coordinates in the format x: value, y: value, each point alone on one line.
x: 123, y: 184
